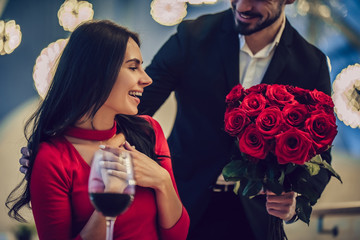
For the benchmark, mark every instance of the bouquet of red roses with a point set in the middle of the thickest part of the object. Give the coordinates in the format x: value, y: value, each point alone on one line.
x: 281, y: 131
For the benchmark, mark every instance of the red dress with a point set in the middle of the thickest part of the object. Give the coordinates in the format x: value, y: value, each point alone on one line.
x: 60, y: 200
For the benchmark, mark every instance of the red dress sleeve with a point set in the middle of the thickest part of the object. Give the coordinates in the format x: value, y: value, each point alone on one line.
x: 50, y: 186
x: 180, y: 230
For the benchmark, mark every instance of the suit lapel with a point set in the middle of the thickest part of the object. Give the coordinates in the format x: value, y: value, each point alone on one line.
x: 229, y: 48
x: 281, y: 56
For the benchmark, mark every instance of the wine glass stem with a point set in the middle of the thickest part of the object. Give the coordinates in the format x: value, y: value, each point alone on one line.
x: 109, y: 227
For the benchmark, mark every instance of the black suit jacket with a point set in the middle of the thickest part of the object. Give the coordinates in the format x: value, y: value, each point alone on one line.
x: 201, y: 64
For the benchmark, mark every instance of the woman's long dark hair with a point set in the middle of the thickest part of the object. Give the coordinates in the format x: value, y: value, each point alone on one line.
x: 85, y: 75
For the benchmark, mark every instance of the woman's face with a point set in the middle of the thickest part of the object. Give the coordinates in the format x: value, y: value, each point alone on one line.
x: 130, y: 83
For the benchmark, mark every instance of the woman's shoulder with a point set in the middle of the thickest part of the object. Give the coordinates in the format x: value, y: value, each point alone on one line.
x: 52, y: 149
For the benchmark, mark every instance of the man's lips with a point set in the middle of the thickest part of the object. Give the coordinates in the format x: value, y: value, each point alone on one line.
x: 247, y: 17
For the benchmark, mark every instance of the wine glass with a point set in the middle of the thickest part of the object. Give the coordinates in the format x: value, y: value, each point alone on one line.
x: 111, y: 185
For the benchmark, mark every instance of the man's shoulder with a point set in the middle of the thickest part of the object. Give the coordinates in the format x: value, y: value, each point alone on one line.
x: 299, y: 43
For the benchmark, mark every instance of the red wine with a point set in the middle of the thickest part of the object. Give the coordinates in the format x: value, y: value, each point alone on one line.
x: 111, y: 204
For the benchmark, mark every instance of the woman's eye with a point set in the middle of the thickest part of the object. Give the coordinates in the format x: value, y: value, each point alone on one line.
x: 133, y: 68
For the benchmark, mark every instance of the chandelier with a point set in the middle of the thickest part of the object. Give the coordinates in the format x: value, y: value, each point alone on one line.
x: 73, y: 12
x: 10, y: 36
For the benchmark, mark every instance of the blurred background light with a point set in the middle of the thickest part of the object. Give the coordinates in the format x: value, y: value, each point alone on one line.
x: 10, y: 36
x: 46, y: 64
x: 346, y: 96
x: 73, y: 12
x: 198, y: 1
x: 168, y: 12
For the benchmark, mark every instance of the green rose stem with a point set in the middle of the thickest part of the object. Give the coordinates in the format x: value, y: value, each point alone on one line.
x: 276, y: 229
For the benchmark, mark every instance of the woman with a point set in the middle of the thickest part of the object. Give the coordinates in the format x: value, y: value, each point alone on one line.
x: 98, y: 80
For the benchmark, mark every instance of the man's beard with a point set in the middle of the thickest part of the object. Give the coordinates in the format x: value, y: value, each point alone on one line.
x: 244, y: 28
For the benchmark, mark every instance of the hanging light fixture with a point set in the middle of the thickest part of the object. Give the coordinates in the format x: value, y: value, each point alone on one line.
x: 346, y: 95
x: 46, y: 64
x: 10, y: 36
x: 73, y: 12
x: 168, y: 12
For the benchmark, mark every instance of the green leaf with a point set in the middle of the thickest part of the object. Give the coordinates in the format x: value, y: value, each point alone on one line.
x: 236, y: 187
x: 312, y: 168
x: 234, y: 171
x: 302, y: 186
x: 270, y: 174
x: 282, y: 177
x: 330, y: 169
x: 274, y: 186
x: 317, y: 159
x: 252, y: 188
x: 290, y: 167
x: 303, y: 209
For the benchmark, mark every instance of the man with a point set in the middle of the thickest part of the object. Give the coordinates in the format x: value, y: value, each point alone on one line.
x: 250, y: 43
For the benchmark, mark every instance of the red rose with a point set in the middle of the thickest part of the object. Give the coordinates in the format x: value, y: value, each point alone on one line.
x: 260, y: 88
x: 270, y: 122
x: 322, y: 129
x: 300, y: 94
x: 253, y: 104
x: 235, y: 121
x: 318, y: 97
x: 253, y: 143
x: 293, y: 146
x: 279, y: 96
x: 295, y: 114
x: 326, y: 108
x: 236, y: 94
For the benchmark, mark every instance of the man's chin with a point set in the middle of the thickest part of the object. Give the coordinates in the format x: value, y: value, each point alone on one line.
x: 245, y: 31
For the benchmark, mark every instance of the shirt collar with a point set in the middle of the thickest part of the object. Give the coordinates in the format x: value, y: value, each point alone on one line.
x: 265, y: 52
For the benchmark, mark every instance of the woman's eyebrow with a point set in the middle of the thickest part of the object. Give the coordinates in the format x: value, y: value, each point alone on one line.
x: 134, y: 60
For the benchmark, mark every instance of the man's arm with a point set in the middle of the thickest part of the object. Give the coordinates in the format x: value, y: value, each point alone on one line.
x: 165, y: 71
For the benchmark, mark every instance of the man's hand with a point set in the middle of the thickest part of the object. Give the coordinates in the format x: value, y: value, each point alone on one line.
x: 282, y: 206
x: 24, y: 160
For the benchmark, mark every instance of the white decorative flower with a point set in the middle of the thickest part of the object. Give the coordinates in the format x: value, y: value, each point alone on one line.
x: 346, y: 95
x: 168, y: 12
x: 198, y: 1
x: 10, y: 36
x: 46, y: 64
x: 72, y: 13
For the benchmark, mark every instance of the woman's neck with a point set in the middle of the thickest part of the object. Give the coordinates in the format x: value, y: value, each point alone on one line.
x: 98, y: 122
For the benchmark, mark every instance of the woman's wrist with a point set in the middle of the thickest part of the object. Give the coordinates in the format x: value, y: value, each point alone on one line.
x: 164, y: 183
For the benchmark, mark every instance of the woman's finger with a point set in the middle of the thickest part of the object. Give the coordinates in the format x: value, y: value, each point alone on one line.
x: 118, y: 174
x: 115, y: 151
x: 23, y: 169
x: 113, y: 166
x: 24, y: 162
x: 25, y: 152
x: 107, y: 148
x: 128, y: 147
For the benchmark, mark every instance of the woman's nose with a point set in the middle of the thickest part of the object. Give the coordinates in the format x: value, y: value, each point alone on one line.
x: 145, y: 80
